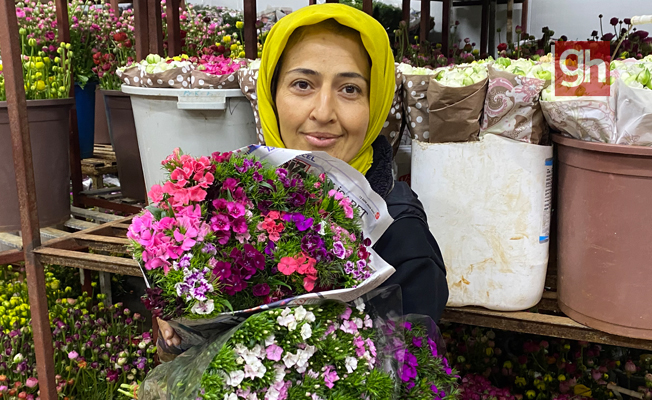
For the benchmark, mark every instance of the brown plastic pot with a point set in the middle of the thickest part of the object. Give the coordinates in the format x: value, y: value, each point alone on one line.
x: 605, y: 235
x: 101, y: 125
x: 48, y: 127
x: 122, y: 129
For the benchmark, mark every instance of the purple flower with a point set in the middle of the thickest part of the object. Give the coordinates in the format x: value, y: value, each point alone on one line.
x: 417, y: 341
x: 269, y: 249
x: 348, y: 267
x: 339, y: 250
x: 297, y: 199
x: 236, y: 210
x: 408, y: 326
x: 246, y: 164
x: 282, y: 172
x: 261, y: 290
x: 257, y: 177
x: 264, y: 206
x: 240, y: 225
x: 209, y: 248
x: 220, y: 222
x: 434, y: 389
x: 221, y: 269
x: 184, y: 261
x: 230, y: 184
x: 330, y: 376
x: 112, y: 375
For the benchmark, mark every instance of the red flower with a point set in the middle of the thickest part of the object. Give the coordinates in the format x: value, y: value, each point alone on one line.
x: 120, y: 37
x: 128, y: 43
x: 502, y: 47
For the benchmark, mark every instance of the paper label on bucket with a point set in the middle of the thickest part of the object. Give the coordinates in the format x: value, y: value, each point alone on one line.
x: 547, y: 204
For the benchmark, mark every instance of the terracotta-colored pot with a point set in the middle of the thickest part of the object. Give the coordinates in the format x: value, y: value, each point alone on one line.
x: 604, y: 255
x: 49, y: 122
x: 122, y: 129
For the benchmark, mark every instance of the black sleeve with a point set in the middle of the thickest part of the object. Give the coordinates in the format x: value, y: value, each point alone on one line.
x: 409, y: 247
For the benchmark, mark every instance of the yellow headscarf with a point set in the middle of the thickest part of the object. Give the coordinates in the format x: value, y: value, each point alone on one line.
x: 375, y: 41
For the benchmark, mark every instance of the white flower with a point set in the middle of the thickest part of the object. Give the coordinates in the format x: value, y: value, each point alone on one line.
x: 292, y: 325
x: 359, y: 304
x: 256, y: 369
x: 322, y: 230
x: 351, y: 364
x: 235, y: 378
x: 270, y: 340
x: 258, y: 351
x: 310, y: 317
x: 306, y: 331
x: 290, y: 359
x: 280, y: 372
x: 299, y: 313
x: 303, y: 358
x: 287, y: 320
x: 203, y: 308
x: 368, y: 323
x: 231, y: 396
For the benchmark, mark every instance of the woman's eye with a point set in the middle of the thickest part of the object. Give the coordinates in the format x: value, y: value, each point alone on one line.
x: 351, y: 89
x: 301, y: 85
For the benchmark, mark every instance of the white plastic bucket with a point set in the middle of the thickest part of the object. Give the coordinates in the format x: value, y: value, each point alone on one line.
x: 199, y: 121
x: 488, y: 206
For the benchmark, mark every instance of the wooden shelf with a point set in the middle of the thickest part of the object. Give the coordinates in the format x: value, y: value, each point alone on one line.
x: 539, y: 323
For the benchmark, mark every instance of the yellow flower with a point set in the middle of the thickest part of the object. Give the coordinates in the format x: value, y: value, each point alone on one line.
x: 0, y: 67
x: 226, y: 39
x: 489, y: 351
x: 177, y: 58
x: 520, y: 381
x: 234, y: 47
x: 239, y: 24
x: 539, y: 384
x: 507, y: 364
x: 547, y: 378
x: 241, y: 55
x: 581, y: 390
x: 530, y: 394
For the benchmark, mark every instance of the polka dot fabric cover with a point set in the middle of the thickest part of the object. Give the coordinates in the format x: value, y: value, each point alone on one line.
x: 415, y: 90
x: 202, y: 80
x: 392, y: 126
x: 247, y: 79
x: 175, y: 78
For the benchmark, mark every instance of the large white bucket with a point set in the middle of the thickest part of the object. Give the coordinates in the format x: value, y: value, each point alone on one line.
x: 199, y: 121
x: 488, y: 206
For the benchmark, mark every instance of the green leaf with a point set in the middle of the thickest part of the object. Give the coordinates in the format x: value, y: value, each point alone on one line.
x: 158, y: 213
x: 226, y: 304
x: 278, y: 283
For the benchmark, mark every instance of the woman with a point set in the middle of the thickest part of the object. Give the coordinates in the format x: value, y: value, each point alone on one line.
x: 326, y: 83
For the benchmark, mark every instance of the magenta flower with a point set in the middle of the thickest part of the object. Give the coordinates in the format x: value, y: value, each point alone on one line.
x: 261, y: 290
x: 330, y: 377
x: 220, y: 222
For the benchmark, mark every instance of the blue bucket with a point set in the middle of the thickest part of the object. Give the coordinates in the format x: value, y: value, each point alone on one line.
x: 85, y: 103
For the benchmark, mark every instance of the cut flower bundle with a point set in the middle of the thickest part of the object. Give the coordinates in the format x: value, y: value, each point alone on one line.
x: 229, y: 233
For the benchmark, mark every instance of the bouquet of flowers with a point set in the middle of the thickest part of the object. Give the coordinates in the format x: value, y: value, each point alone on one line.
x: 231, y: 232
x: 328, y: 351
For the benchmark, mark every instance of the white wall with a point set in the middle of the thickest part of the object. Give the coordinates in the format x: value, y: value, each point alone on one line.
x: 573, y: 18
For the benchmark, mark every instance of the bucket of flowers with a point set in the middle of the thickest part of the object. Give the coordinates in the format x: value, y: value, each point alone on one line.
x: 47, y: 80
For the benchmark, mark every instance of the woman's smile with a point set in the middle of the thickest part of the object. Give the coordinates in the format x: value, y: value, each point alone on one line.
x: 321, y: 140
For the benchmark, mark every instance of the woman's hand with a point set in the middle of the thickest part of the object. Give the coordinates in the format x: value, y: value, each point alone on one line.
x: 168, y: 334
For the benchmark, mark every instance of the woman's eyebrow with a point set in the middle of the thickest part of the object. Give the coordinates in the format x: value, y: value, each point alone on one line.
x: 354, y: 75
x: 307, y: 71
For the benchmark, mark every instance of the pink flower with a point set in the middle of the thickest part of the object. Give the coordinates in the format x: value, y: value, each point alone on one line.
x: 156, y: 193
x: 274, y: 352
x: 31, y: 382
x: 330, y: 377
x: 346, y: 314
x: 239, y: 225
x: 73, y: 355
x: 309, y: 282
x: 287, y: 265
x: 235, y: 209
x: 220, y: 222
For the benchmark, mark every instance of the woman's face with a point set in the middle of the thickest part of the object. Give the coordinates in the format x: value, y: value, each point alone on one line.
x: 322, y: 95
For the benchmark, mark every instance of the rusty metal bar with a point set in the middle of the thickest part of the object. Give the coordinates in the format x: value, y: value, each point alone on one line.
x: 90, y: 201
x: 174, y: 27
x: 141, y: 29
x: 492, y: 28
x: 250, y: 37
x: 155, y: 26
x: 368, y: 7
x: 11, y: 256
x: 26, y: 187
x: 524, y: 11
x: 446, y: 26
x: 311, y: 2
x: 484, y: 26
x: 424, y: 28
x: 510, y: 18
x: 96, y: 262
x: 406, y: 12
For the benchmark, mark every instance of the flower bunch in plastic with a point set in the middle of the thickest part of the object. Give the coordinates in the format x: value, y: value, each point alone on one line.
x: 231, y: 232
x: 424, y: 373
x: 318, y: 352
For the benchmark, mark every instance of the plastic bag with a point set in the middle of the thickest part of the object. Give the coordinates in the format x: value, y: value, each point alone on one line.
x: 182, y: 378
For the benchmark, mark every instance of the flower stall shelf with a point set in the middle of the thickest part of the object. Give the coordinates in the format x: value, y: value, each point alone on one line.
x: 201, y: 121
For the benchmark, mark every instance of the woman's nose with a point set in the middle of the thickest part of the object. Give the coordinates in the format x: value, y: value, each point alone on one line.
x: 324, y: 108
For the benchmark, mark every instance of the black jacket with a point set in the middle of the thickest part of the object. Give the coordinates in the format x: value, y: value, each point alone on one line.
x: 408, y: 244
